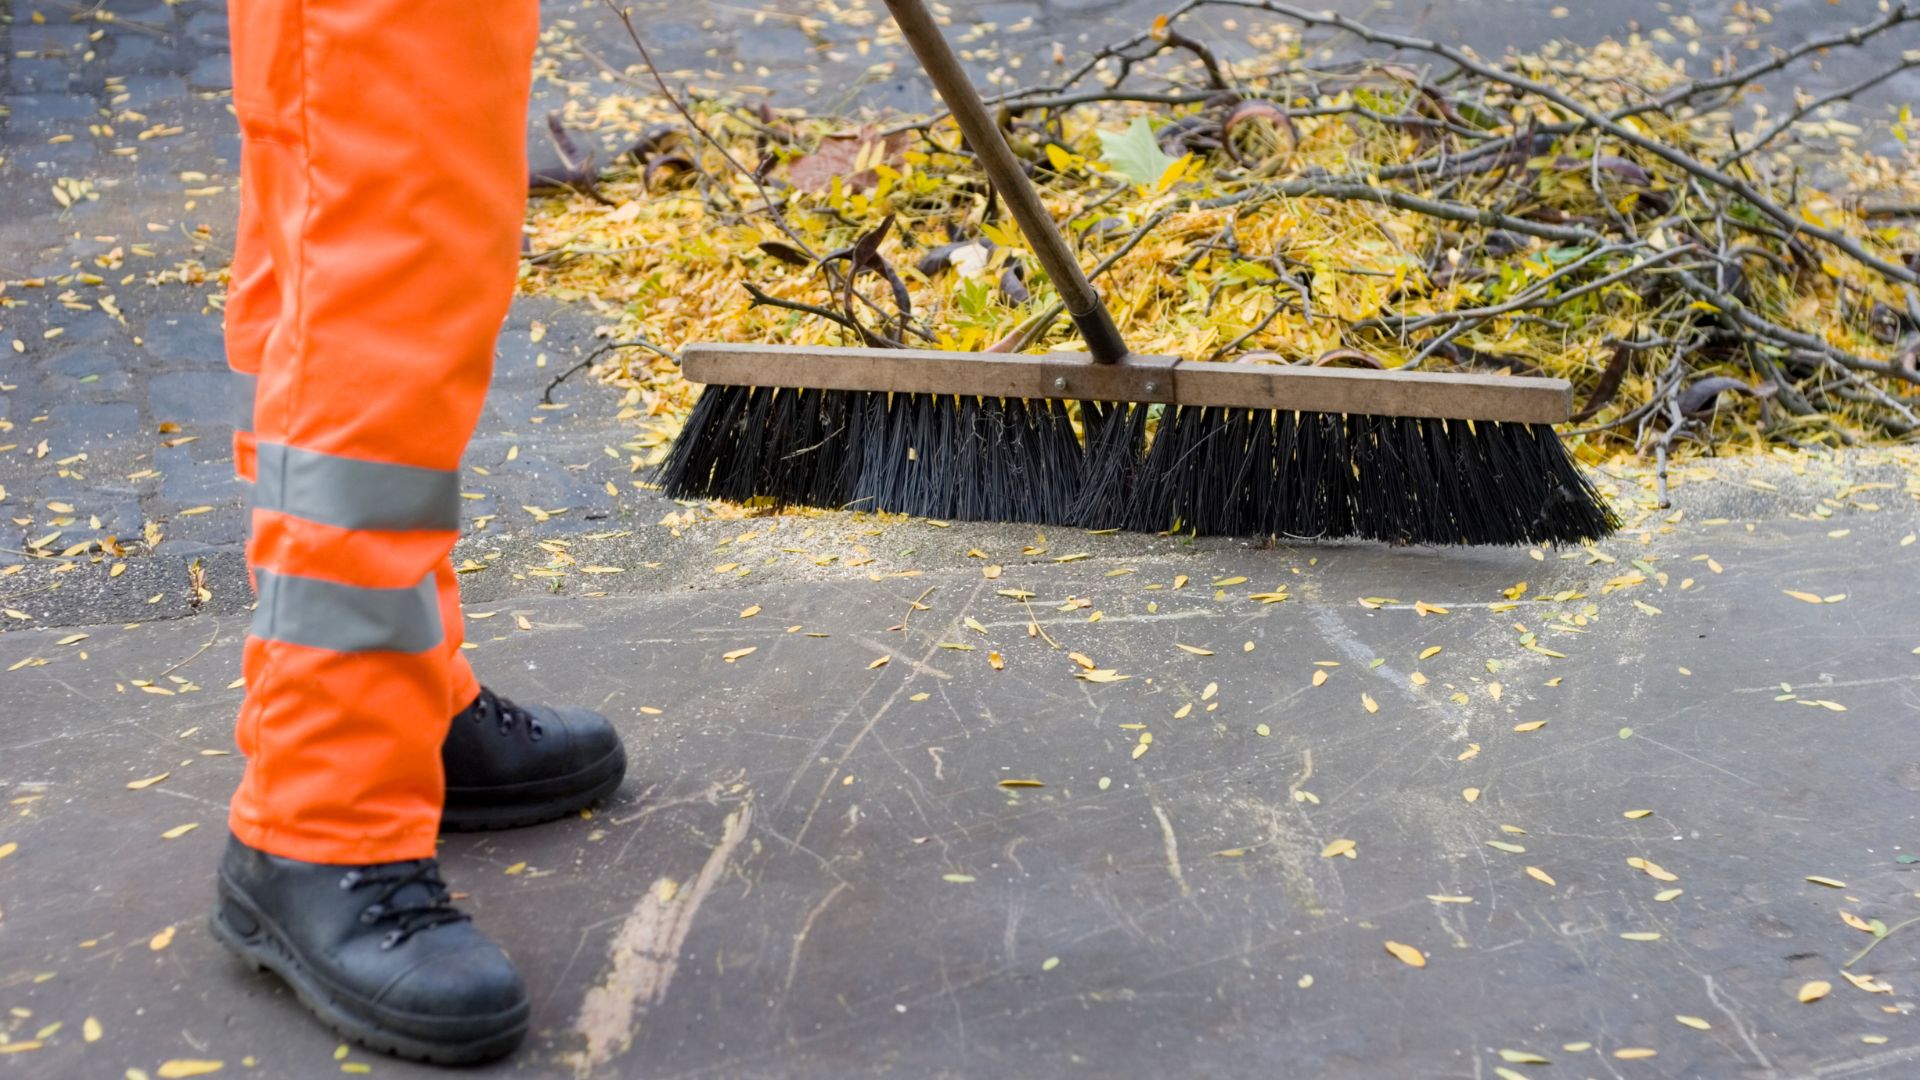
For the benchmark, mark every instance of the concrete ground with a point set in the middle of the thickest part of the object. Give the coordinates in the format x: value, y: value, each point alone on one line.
x: 814, y: 869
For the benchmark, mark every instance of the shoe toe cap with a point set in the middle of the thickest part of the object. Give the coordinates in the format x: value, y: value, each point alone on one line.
x: 591, y: 737
x: 475, y: 980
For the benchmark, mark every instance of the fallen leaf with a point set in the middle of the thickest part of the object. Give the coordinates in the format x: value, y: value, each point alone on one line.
x: 1194, y: 649
x: 1531, y: 725
x: 90, y: 1029
x: 1407, y: 954
x: 1634, y: 1053
x: 1337, y: 848
x: 1471, y: 794
x: 1540, y: 876
x: 1811, y: 598
x: 1502, y: 845
x: 1827, y: 881
x: 139, y: 785
x: 1693, y: 1022
x: 1814, y: 990
x: 1101, y: 675
x: 1868, y: 983
x: 1022, y: 783
x: 1319, y: 676
x: 179, y: 831
x: 1665, y: 895
x: 738, y: 653
x: 1522, y: 1057
x: 1429, y: 652
x: 1641, y: 935
x: 1636, y: 815
x: 879, y: 662
x: 1367, y: 703
x: 1856, y: 921
x: 750, y: 612
x: 181, y: 1068
x: 161, y: 940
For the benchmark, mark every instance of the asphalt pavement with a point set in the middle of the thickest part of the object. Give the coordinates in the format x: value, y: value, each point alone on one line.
x: 1307, y: 809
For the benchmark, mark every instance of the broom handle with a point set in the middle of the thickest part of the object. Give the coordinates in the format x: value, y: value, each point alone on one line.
x: 943, y: 67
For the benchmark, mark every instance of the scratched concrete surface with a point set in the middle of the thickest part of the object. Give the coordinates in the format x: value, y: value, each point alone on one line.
x: 812, y: 871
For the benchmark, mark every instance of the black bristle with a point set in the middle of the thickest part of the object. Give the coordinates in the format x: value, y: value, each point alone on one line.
x: 1153, y: 468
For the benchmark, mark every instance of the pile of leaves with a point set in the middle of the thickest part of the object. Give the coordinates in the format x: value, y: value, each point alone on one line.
x: 1599, y: 216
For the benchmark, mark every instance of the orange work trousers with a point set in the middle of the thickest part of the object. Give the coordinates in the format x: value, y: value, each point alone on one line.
x: 384, y: 175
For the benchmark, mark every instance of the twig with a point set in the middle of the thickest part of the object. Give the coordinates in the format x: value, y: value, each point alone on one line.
x: 1891, y: 930
x: 546, y: 396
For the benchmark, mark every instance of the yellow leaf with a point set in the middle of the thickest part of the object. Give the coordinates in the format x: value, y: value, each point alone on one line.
x: 1101, y: 675
x: 1338, y: 848
x: 1319, y: 676
x: 1021, y: 783
x: 1827, y: 881
x: 90, y: 1029
x: 1693, y: 1022
x: 879, y: 662
x: 1083, y: 660
x: 994, y: 659
x: 1636, y: 815
x: 139, y: 785
x: 1856, y: 921
x: 1522, y: 1057
x: 1814, y: 990
x: 1179, y: 581
x: 1194, y: 649
x: 179, y: 831
x: 1495, y: 690
x: 1868, y: 983
x: 738, y: 653
x: 1668, y: 895
x: 1407, y: 954
x: 1426, y: 609
x: 1641, y: 935
x: 1472, y: 751
x: 1541, y: 876
x: 161, y: 940
x: 1531, y: 725
x: 750, y: 612
x: 1471, y: 794
x: 1429, y: 652
x: 1806, y: 596
x: 181, y: 1068
x: 1230, y: 581
x: 1634, y: 1053
x: 1502, y: 845
x: 1367, y: 703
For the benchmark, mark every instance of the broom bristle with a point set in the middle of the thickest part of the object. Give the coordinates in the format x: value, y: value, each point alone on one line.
x: 1208, y: 471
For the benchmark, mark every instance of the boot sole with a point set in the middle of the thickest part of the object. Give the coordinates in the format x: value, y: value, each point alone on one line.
x: 497, y: 808
x: 263, y: 949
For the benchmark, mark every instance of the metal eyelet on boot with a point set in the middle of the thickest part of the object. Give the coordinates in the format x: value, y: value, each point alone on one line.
x: 372, y: 914
x: 350, y: 879
x: 535, y: 732
x: 392, y: 939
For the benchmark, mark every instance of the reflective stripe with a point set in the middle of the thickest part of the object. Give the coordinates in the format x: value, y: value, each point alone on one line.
x: 245, y: 386
x: 346, y: 618
x: 354, y: 494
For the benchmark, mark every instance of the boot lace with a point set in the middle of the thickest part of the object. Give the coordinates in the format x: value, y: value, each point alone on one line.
x: 505, y: 714
x: 412, y: 898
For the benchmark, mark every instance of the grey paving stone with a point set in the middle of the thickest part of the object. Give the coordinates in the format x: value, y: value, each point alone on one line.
x: 212, y: 73
x: 192, y: 397
x: 207, y: 29
x: 86, y: 426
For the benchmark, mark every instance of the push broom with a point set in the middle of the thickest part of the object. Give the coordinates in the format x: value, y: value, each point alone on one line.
x: 1234, y: 449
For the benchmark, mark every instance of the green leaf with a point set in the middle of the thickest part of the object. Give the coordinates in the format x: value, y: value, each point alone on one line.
x: 1135, y: 153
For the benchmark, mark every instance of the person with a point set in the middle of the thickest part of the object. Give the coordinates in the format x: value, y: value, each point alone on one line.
x: 383, y: 165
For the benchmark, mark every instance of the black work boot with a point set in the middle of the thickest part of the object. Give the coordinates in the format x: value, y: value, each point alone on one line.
x: 378, y: 953
x: 511, y: 765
